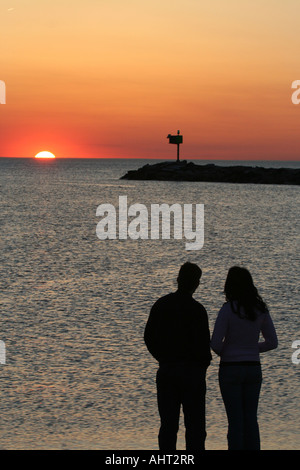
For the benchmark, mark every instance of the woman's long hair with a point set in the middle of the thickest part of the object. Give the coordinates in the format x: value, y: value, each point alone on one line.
x: 239, y: 287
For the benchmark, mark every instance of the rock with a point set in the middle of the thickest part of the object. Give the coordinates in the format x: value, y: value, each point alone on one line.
x: 183, y: 171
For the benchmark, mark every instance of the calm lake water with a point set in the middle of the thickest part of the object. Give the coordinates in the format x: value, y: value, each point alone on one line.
x: 73, y: 307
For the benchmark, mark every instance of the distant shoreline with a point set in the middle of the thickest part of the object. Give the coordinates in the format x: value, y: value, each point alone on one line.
x: 189, y: 171
x: 201, y: 161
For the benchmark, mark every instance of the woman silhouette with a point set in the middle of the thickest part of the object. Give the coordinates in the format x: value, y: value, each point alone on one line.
x: 235, y: 339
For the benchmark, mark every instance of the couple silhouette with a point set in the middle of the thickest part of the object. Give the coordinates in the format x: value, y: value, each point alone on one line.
x: 177, y: 335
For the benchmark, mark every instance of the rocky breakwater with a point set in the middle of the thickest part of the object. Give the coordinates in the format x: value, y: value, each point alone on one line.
x: 184, y: 171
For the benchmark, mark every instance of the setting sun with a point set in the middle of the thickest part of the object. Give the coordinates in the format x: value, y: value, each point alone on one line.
x: 44, y: 154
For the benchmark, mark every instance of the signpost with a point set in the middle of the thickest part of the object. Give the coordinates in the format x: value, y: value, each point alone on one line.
x: 175, y: 139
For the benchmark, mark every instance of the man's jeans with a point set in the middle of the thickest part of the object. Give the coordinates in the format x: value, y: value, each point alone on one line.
x: 240, y: 387
x: 181, y: 384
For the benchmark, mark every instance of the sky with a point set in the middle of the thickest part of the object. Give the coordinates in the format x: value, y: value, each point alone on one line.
x: 112, y: 78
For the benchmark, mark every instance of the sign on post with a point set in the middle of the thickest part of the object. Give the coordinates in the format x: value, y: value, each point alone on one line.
x: 176, y: 139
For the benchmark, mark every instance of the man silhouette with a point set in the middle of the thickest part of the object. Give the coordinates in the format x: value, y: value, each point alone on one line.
x: 177, y: 335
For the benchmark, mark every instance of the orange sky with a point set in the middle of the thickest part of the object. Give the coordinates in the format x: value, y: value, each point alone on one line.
x: 111, y: 78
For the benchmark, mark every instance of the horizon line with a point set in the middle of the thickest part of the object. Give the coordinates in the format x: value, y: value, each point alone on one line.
x: 158, y: 158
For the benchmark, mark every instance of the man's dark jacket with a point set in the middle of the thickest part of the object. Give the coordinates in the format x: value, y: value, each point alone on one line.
x: 177, y: 330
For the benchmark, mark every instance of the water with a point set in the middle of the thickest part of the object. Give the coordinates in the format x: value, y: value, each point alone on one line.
x: 74, y: 308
